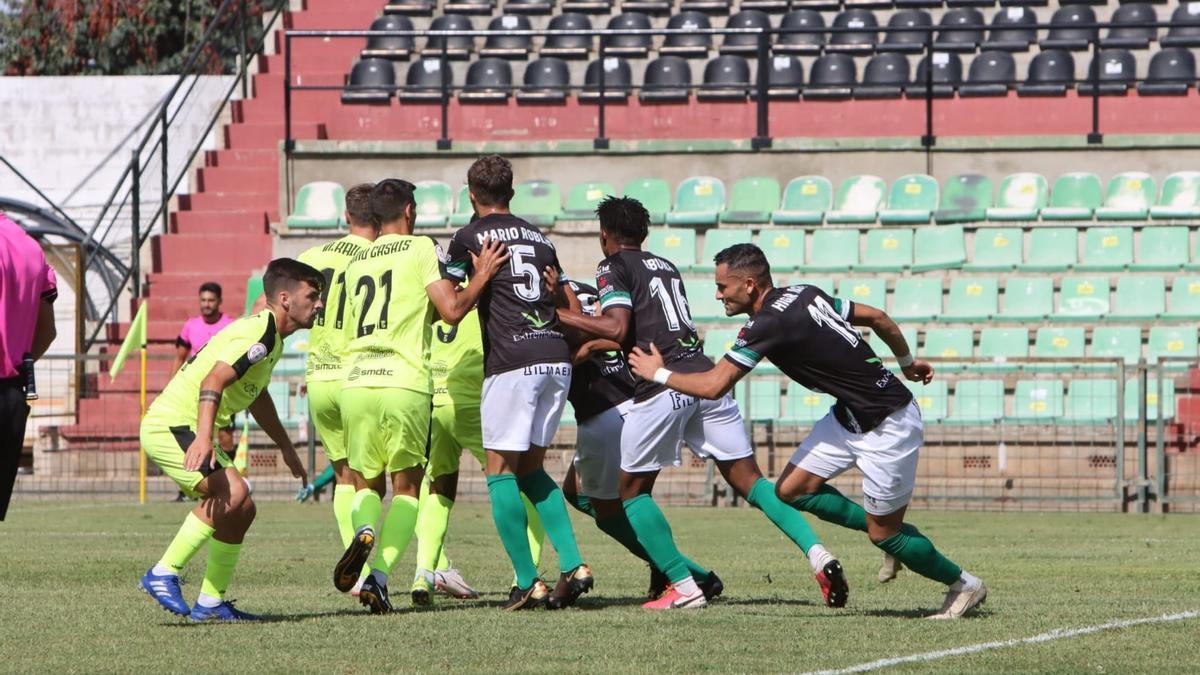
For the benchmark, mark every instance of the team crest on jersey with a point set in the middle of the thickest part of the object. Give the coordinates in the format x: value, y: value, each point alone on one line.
x: 257, y: 352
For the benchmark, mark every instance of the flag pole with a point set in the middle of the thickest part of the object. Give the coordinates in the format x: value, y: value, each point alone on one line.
x: 141, y: 414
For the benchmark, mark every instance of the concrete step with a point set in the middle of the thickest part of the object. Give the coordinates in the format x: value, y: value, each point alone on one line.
x: 220, y: 222
x: 240, y: 157
x: 238, y: 179
x: 156, y: 331
x: 233, y: 284
x: 203, y: 254
x: 345, y: 16
x: 180, y: 308
x: 268, y: 136
x: 232, y: 201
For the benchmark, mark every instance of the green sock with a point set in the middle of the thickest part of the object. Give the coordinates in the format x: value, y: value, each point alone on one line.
x: 654, y: 534
x: 222, y: 558
x: 324, y: 479
x: 396, y: 532
x: 547, y: 498
x: 581, y: 503
x: 833, y: 507
x: 535, y: 532
x: 511, y: 525
x: 192, y: 536
x: 365, y: 509
x: 918, y: 553
x: 432, y: 521
x: 343, y: 503
x: 786, y: 518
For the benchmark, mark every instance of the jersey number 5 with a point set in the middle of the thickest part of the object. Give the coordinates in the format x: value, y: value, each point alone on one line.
x: 519, y: 261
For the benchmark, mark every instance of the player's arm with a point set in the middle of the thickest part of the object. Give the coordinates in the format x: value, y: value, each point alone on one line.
x: 182, y: 349
x: 712, y: 384
x: 916, y: 370
x: 591, y: 347
x: 263, y: 410
x: 612, y: 325
x: 212, y: 388
x: 560, y: 287
x: 453, y: 302
x: 44, y: 331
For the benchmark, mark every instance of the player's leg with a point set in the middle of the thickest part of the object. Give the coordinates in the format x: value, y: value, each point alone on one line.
x: 363, y: 416
x: 325, y: 411
x: 228, y: 507
x: 438, y: 491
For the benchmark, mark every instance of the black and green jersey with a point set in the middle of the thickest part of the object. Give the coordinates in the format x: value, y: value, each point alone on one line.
x: 601, y: 382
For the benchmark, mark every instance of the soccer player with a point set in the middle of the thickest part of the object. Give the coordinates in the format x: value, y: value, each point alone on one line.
x: 527, y: 371
x: 875, y: 424
x: 393, y: 288
x: 229, y: 375
x: 643, y: 304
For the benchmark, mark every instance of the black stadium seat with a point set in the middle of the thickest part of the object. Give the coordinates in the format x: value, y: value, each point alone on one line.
x: 618, y: 80
x: 745, y: 43
x: 371, y: 81
x: 507, y: 45
x: 909, y: 42
x: 885, y: 76
x: 488, y: 80
x: 1132, y: 27
x: 1118, y: 69
x: 726, y: 78
x: 952, y: 4
x: 1067, y: 34
x: 635, y: 46
x: 667, y: 79
x: 568, y: 46
x: 767, y: 5
x: 832, y: 76
x: 861, y: 39
x: 914, y: 4
x: 713, y: 6
x: 961, y: 30
x: 481, y: 7
x: 1172, y: 71
x: 1185, y: 26
x: 801, y: 43
x: 1051, y: 72
x: 785, y: 79
x: 423, y: 83
x: 397, y: 47
x: 1012, y: 30
x: 990, y: 74
x: 689, y: 44
x: 536, y: 7
x: 546, y: 81
x: 413, y: 7
x: 588, y: 6
x: 646, y: 6
x: 947, y: 76
x: 457, y: 47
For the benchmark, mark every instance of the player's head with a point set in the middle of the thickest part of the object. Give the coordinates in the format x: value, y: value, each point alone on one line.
x: 743, y: 276
x: 295, y: 289
x: 210, y: 299
x: 623, y: 221
x: 490, y: 182
x: 393, y: 205
x: 358, y: 210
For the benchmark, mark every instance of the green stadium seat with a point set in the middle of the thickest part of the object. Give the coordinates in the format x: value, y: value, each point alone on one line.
x: 1171, y: 342
x: 916, y: 299
x: 971, y: 299
x: 1001, y: 345
x: 1107, y: 249
x: 1185, y: 299
x: 538, y: 202
x: 868, y: 291
x: 1180, y: 198
x: 675, y: 244
x: 1152, y: 398
x: 715, y: 241
x: 804, y: 407
x: 1091, y: 402
x: 319, y: 205
x: 1117, y: 342
x: 654, y: 194
x: 805, y: 201
x: 833, y: 251
x: 435, y: 203
x: 765, y: 400
x: 995, y: 250
x: 1051, y: 249
x: 295, y: 350
x: 933, y: 399
x: 1082, y: 299
x: 784, y: 248
x: 965, y: 199
x: 1161, y: 249
x: 583, y: 199
x: 254, y: 288
x: 941, y: 247
x: 1130, y: 196
x: 1020, y: 197
x: 1037, y: 402
x: 949, y: 343
x: 977, y: 402
x: 888, y: 250
x: 912, y: 199
x: 858, y: 200
x: 823, y: 283
x: 568, y: 416
x: 1075, y: 196
x: 1139, y: 299
x: 717, y: 341
x: 751, y: 201
x: 698, y: 201
x: 1027, y: 299
x: 1060, y: 343
x: 463, y: 212
x: 703, y: 303
x: 885, y: 352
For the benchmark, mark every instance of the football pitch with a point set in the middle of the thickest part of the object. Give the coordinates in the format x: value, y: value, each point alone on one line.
x: 69, y: 600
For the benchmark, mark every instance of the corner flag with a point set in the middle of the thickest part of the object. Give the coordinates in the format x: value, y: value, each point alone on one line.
x: 135, y: 339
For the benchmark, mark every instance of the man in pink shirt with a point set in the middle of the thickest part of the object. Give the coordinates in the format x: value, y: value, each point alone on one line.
x: 196, y: 333
x: 27, y: 292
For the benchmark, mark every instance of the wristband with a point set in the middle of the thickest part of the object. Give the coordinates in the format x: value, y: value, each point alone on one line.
x: 661, y: 375
x: 905, y: 361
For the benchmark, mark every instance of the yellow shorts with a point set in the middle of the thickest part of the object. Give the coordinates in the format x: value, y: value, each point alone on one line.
x: 452, y: 430
x: 167, y: 445
x: 387, y: 428
x: 325, y: 411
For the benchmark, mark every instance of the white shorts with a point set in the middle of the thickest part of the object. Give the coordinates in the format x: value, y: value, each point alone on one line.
x: 598, y: 453
x: 522, y: 407
x: 656, y: 428
x: 886, y: 455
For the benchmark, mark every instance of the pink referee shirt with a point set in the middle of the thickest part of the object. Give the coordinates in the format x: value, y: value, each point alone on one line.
x: 25, y: 280
x: 197, y: 332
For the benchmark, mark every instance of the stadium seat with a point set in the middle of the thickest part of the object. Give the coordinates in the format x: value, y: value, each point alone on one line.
x: 933, y: 399
x: 1021, y: 197
x: 423, y: 83
x: 1012, y: 30
x: 949, y: 343
x: 371, y: 81
x: 464, y: 211
x: 1132, y: 27
x: 691, y: 44
x: 1027, y: 299
x: 675, y: 244
x: 1082, y: 299
x: 583, y: 199
x: 717, y: 341
x: 940, y: 247
x: 1075, y: 196
x: 1161, y: 249
x: 751, y: 201
x: 1051, y: 73
x: 456, y: 47
x: 991, y: 74
x: 713, y: 6
x: 479, y: 7
x: 887, y: 250
x: 833, y: 251
x: 505, y: 44
x: 860, y: 36
x: 1117, y: 342
x: 648, y: 6
x: 832, y: 76
x: 254, y: 289
x: 1172, y: 72
x: 771, y: 6
x: 295, y: 351
x: 995, y: 250
x: 618, y: 80
x: 715, y: 241
x: 1132, y: 411
x: 668, y: 79
x: 804, y: 407
x: 961, y: 30
x: 702, y: 301
x: 1184, y: 302
x: 568, y: 46
x: 784, y: 248
x: 726, y: 78
x: 698, y: 201
x: 1091, y: 402
x: 1059, y: 343
x: 1130, y: 196
x: 884, y: 352
x: 885, y: 76
x: 547, y: 80
x: 1171, y: 342
x: 537, y: 201
x: 908, y: 42
x: 947, y: 76
x: 805, y: 201
x: 866, y: 290
x: 971, y: 299
x: 489, y: 80
x: 916, y: 299
x: 397, y: 47
x: 1118, y: 71
x: 435, y: 202
x: 654, y: 194
x: 765, y: 400
x: 1000, y: 345
x: 588, y: 6
x: 745, y: 44
x: 1037, y: 402
x: 1185, y: 27
x: 785, y: 79
x: 912, y: 199
x: 1180, y: 197
x: 319, y: 205
x: 535, y: 7
x: 568, y: 416
x: 1106, y: 249
x: 634, y: 46
x: 965, y: 199
x: 858, y: 199
x: 977, y: 402
x: 1066, y: 32
x: 823, y: 283
x: 412, y: 7
x: 800, y: 43
x: 1139, y: 298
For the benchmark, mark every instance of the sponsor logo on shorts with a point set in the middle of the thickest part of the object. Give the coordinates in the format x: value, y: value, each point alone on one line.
x: 548, y: 369
x: 257, y: 352
x: 680, y: 401
x: 250, y: 388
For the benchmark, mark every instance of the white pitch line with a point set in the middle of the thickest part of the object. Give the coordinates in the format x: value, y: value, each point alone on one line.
x: 1056, y: 634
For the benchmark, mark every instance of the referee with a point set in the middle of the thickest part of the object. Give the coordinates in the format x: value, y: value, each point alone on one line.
x: 27, y: 290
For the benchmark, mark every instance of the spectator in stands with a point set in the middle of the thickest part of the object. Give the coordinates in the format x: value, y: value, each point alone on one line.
x: 27, y: 292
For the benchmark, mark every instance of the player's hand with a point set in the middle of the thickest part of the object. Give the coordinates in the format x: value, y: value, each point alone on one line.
x: 199, y: 452
x: 919, y: 371
x: 492, y: 255
x: 644, y: 364
x: 293, y: 463
x: 550, y: 276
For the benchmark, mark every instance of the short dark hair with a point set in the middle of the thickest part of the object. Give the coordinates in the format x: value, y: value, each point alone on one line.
x: 283, y: 274
x: 211, y: 287
x: 490, y: 179
x: 625, y: 218
x: 358, y: 204
x: 747, y: 259
x: 389, y: 197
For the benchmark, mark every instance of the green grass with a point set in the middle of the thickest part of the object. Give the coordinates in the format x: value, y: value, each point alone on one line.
x: 69, y: 600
